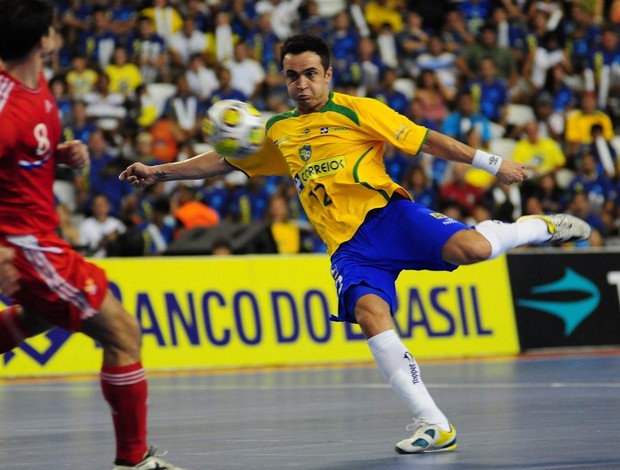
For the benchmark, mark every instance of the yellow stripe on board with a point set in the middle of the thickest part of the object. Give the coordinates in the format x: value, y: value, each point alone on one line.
x: 263, y: 311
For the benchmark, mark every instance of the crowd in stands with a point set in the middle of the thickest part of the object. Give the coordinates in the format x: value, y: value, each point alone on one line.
x: 537, y: 81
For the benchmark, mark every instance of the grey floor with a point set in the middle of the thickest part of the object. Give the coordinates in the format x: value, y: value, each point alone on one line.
x: 531, y: 413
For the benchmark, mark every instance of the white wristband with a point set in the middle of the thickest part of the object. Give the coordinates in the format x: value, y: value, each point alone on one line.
x: 487, y: 162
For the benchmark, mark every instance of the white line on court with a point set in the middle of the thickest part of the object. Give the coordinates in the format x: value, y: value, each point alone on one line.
x: 73, y: 387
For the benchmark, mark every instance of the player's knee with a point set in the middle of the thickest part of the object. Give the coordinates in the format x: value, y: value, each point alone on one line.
x: 373, y: 315
x: 466, y: 247
x: 122, y: 337
x: 129, y: 334
x: 477, y: 252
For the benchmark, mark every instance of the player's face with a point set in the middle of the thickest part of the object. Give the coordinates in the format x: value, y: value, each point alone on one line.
x: 307, y: 81
x: 51, y: 42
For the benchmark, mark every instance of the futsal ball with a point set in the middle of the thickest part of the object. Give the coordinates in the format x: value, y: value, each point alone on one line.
x: 233, y: 128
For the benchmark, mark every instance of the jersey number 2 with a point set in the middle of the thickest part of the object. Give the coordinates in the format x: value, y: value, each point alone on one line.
x: 320, y: 188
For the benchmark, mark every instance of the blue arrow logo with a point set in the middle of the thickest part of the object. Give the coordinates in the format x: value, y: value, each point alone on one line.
x: 57, y: 337
x: 573, y: 313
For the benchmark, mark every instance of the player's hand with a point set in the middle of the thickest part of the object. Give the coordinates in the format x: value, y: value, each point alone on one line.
x: 8, y: 272
x: 511, y: 172
x: 73, y: 153
x: 138, y: 174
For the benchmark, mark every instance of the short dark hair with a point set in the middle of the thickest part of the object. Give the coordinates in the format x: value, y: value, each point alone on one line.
x: 301, y: 43
x: 22, y: 24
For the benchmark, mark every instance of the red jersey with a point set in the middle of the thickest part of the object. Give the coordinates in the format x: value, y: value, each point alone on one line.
x: 29, y: 133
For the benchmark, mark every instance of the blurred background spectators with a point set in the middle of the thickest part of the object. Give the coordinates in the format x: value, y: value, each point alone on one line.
x: 537, y: 81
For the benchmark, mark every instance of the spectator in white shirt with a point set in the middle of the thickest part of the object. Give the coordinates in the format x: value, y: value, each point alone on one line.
x: 189, y: 40
x: 284, y: 15
x: 248, y: 76
x: 442, y: 62
x: 100, y: 230
x: 201, y: 79
x: 107, y: 108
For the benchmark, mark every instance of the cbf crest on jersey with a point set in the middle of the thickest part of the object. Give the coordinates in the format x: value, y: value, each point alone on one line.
x: 305, y: 152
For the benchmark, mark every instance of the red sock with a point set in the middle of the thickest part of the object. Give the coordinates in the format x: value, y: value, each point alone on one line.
x: 125, y: 389
x: 12, y: 332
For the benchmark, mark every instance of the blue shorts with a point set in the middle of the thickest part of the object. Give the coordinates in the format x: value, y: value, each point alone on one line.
x: 403, y: 235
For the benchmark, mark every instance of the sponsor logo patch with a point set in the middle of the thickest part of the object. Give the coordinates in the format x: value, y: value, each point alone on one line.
x: 319, y: 169
x: 328, y: 130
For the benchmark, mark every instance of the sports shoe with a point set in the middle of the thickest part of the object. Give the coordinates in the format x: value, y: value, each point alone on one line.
x: 563, y: 227
x: 427, y: 438
x: 151, y: 462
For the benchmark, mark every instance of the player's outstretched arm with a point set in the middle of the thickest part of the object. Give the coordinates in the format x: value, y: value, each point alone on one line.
x: 201, y: 166
x: 443, y: 146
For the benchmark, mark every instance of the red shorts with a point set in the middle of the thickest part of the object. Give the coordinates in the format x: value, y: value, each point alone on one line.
x: 56, y: 282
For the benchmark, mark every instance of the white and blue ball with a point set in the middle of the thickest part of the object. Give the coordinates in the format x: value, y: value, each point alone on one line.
x: 234, y: 128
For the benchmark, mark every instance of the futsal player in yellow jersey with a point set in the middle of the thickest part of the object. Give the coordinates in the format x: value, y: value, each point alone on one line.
x: 332, y: 144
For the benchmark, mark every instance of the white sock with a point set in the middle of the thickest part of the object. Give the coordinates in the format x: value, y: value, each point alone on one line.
x: 503, y: 237
x: 402, y: 372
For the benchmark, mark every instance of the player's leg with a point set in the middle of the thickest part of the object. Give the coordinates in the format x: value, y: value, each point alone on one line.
x: 123, y: 383
x: 16, y: 325
x: 365, y: 269
x: 492, y: 238
x: 431, y: 429
x: 69, y: 292
x: 394, y: 360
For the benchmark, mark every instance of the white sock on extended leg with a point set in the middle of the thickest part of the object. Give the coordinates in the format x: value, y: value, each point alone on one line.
x: 503, y: 236
x: 402, y: 372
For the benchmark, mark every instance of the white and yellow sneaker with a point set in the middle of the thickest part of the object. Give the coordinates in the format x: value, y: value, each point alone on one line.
x: 563, y: 227
x: 152, y: 461
x: 427, y: 438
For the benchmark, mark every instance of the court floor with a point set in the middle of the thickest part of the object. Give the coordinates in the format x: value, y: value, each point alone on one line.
x: 549, y: 412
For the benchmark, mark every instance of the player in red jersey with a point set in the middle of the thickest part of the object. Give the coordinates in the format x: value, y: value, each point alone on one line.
x: 56, y: 285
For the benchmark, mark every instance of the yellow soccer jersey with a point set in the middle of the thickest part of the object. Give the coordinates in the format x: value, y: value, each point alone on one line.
x: 335, y: 157
x: 124, y: 79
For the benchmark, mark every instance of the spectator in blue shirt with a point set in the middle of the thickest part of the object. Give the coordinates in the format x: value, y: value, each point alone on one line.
x: 148, y: 50
x: 594, y: 183
x: 311, y: 20
x: 396, y: 162
x: 417, y: 184
x: 225, y: 90
x: 490, y: 93
x: 262, y: 41
x: 343, y: 38
x: 122, y: 16
x: 386, y: 93
x: 78, y: 127
x: 75, y: 19
x: 581, y: 206
x: 605, y: 63
x: 582, y: 36
x: 454, y: 32
x: 475, y: 13
x: 103, y: 174
x: 216, y: 194
x: 243, y: 15
x: 249, y: 201
x: 99, y: 41
x: 195, y: 9
x: 563, y: 97
x: 464, y: 118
